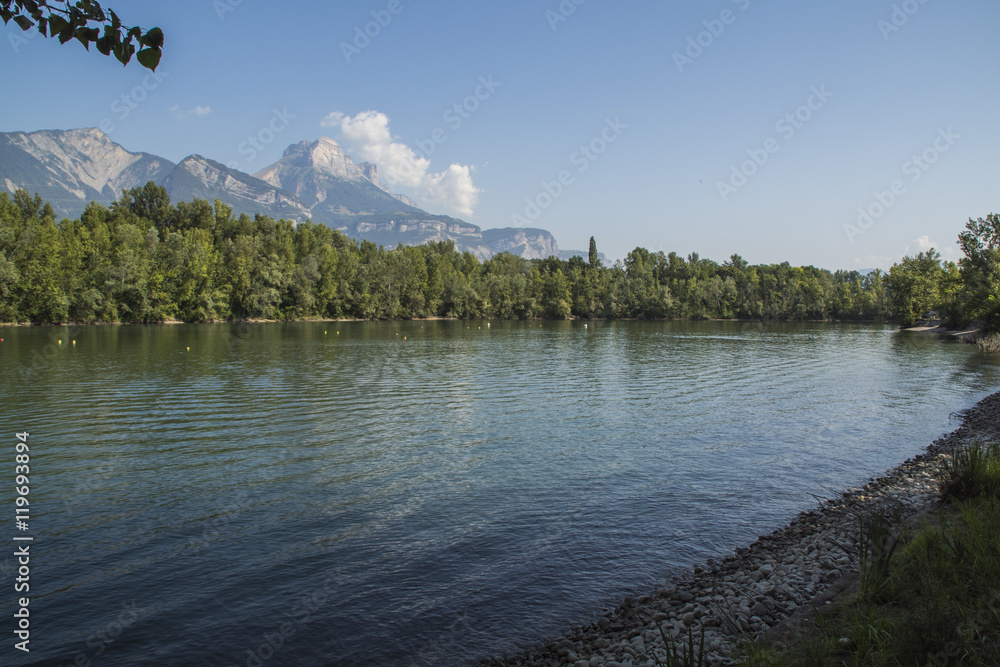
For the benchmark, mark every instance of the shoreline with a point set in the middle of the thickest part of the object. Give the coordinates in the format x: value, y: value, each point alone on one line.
x: 761, y: 589
x: 974, y: 333
x: 307, y: 320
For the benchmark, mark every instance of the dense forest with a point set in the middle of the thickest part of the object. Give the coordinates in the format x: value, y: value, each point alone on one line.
x: 144, y: 259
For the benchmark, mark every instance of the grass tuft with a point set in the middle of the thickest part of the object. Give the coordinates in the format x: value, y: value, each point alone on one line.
x: 930, y: 596
x: 972, y: 472
x: 687, y: 657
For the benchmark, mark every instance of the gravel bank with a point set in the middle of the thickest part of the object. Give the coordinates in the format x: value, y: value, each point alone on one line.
x: 755, y: 589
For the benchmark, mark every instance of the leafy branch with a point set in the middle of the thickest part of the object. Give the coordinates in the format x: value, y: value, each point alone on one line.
x: 84, y: 21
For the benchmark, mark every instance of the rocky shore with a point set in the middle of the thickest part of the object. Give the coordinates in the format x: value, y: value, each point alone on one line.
x: 763, y: 587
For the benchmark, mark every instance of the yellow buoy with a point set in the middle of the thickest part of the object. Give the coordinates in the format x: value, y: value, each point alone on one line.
x: 189, y: 349
x: 74, y: 342
x: 60, y: 341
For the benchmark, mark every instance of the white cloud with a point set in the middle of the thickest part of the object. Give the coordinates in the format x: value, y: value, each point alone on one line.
x: 366, y: 137
x: 874, y: 262
x: 924, y: 243
x: 332, y: 119
x: 197, y: 111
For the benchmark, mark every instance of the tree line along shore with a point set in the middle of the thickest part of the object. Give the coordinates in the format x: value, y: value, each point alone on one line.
x: 144, y: 259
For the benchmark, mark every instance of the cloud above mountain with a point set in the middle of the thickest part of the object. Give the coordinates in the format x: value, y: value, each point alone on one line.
x: 367, y: 137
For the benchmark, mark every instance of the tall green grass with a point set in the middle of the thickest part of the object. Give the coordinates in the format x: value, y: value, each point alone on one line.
x: 687, y: 656
x: 927, y: 598
x: 972, y: 471
x: 878, y: 538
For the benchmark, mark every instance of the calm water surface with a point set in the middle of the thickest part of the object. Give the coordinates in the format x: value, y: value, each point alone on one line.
x: 360, y: 498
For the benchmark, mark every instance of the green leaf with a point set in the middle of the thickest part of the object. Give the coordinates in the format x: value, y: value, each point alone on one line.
x: 57, y: 24
x: 81, y: 35
x: 153, y: 38
x: 123, y: 52
x: 149, y: 58
x: 24, y: 22
x: 105, y: 44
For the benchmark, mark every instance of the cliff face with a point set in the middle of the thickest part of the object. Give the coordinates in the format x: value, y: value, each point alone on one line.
x: 198, y: 177
x: 70, y: 168
x: 312, y: 181
x: 522, y: 241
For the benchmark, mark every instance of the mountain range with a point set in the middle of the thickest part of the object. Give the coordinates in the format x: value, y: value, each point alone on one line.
x: 312, y: 181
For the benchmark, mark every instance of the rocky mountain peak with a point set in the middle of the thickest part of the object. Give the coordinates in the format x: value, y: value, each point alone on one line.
x: 85, y: 157
x: 71, y: 167
x: 324, y: 155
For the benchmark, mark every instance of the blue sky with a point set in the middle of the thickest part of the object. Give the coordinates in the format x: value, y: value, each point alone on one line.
x: 730, y: 126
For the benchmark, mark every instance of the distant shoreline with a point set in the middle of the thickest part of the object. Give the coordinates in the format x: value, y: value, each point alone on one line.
x: 307, y: 320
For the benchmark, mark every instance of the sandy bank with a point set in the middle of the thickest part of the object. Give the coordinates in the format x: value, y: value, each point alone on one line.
x: 760, y: 587
x: 935, y: 327
x: 974, y: 333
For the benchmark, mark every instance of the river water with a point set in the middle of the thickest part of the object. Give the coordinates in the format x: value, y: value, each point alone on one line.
x: 416, y: 493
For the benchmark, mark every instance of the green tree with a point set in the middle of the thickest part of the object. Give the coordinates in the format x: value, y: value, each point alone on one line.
x: 592, y: 255
x: 914, y: 285
x: 980, y: 268
x: 36, y: 258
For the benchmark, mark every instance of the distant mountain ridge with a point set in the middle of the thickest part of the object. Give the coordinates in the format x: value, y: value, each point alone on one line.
x: 312, y: 180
